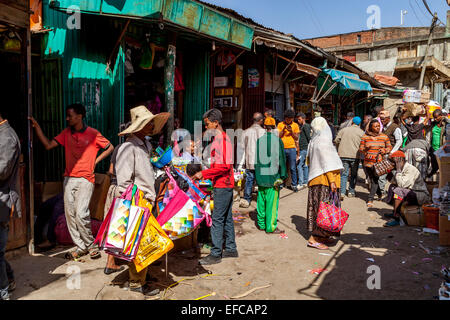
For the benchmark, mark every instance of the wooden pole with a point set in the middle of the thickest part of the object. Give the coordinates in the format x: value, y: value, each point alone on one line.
x: 169, y: 85
x: 424, y: 63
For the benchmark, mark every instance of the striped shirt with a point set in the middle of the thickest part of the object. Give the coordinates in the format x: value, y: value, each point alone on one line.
x: 370, y: 146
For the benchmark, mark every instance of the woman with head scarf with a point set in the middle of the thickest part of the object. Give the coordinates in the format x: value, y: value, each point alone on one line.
x: 374, y: 145
x: 324, y: 178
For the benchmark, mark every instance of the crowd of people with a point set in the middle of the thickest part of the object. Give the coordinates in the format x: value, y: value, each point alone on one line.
x: 292, y: 154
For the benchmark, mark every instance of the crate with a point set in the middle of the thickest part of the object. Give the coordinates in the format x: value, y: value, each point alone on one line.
x: 414, y: 215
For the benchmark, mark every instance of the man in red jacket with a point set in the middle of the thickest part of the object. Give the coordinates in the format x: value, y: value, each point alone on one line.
x: 222, y: 175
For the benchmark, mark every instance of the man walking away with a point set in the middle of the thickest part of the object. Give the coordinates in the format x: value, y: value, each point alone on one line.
x: 248, y: 143
x: 347, y: 123
x: 81, y: 144
x: 9, y: 199
x: 348, y: 141
x: 222, y: 175
x: 304, y: 139
x: 270, y: 170
x: 289, y: 132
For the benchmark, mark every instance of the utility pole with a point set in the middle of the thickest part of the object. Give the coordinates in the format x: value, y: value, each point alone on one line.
x: 424, y: 62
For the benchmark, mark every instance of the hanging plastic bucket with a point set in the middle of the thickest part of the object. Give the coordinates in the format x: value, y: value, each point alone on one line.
x: 431, y: 217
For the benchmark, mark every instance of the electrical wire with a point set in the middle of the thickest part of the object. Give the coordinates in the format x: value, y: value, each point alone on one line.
x: 414, y: 11
x: 311, y: 16
x: 432, y: 14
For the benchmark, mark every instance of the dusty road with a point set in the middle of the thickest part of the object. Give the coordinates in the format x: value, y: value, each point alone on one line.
x: 406, y: 270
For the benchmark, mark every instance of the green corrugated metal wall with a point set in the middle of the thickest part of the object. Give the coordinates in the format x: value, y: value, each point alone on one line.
x: 83, y: 54
x: 197, y: 80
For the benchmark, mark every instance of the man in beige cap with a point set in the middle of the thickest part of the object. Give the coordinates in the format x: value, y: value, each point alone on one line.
x: 132, y: 166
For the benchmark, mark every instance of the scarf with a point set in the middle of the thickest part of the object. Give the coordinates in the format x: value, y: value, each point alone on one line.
x: 322, y: 154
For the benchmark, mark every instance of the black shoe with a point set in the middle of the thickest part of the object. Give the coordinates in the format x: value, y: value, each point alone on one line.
x: 210, y: 259
x: 230, y: 254
x: 146, y: 290
x: 111, y: 270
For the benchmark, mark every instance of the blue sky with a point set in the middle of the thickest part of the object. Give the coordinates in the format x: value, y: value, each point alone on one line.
x: 309, y: 18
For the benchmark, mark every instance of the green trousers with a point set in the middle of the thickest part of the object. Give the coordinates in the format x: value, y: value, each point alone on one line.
x: 267, y: 207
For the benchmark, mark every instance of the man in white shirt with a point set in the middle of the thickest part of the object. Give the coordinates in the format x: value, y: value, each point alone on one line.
x: 248, y: 144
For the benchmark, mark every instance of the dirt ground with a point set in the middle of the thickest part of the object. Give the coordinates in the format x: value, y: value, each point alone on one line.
x: 281, y: 265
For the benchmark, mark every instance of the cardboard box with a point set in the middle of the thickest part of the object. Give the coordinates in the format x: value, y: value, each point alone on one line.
x: 444, y: 230
x: 414, y: 215
x: 444, y: 171
x: 97, y: 204
x: 416, y: 96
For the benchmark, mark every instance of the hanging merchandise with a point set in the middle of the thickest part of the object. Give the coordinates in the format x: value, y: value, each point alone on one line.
x: 148, y: 56
x: 129, y: 69
x: 239, y: 75
x: 253, y: 78
x: 224, y: 59
x: 179, y: 85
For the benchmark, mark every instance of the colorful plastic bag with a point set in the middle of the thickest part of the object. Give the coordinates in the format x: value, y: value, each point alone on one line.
x: 330, y: 216
x: 181, y: 215
x: 154, y: 242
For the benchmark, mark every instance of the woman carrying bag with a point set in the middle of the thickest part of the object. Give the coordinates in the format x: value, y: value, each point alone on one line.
x: 374, y: 145
x: 324, y: 178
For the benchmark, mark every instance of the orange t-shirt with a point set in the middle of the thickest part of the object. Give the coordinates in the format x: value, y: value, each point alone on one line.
x: 81, y: 148
x: 288, y: 140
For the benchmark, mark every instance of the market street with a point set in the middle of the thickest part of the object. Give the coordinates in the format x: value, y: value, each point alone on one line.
x: 407, y: 271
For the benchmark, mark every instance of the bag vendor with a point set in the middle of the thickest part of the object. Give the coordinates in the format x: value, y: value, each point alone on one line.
x: 409, y: 187
x: 133, y: 166
x: 222, y: 175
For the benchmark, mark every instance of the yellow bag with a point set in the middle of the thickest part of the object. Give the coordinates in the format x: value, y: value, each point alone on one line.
x: 154, y: 242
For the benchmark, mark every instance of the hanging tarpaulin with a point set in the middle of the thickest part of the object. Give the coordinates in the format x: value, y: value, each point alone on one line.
x: 348, y: 80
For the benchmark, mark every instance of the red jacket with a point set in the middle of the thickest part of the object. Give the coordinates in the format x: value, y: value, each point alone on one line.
x: 221, y: 171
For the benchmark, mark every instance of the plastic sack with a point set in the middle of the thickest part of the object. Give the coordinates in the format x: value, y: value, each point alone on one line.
x: 154, y: 242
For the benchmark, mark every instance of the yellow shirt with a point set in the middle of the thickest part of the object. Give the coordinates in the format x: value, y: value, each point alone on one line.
x: 327, y: 178
x: 288, y: 139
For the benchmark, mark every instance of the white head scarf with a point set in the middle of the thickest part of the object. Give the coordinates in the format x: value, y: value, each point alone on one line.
x: 322, y: 154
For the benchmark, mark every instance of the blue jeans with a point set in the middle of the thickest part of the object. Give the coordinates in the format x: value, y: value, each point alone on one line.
x: 222, y: 222
x: 350, y: 169
x: 249, y: 181
x: 6, y: 272
x: 291, y: 157
x: 302, y: 168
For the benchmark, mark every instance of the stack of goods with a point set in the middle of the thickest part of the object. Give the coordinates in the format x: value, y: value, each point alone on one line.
x: 130, y: 232
x: 444, y: 290
x: 416, y: 96
x: 444, y: 216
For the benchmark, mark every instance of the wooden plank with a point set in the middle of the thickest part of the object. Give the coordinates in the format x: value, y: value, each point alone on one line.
x: 14, y: 16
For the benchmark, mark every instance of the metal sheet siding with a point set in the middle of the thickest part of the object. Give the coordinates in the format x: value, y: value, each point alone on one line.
x: 133, y: 8
x: 83, y: 73
x: 197, y: 82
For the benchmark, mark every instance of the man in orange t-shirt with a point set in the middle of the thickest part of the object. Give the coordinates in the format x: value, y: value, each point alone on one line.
x: 81, y: 144
x: 289, y: 132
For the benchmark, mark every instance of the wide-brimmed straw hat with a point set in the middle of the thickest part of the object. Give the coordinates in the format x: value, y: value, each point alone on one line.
x: 141, y: 116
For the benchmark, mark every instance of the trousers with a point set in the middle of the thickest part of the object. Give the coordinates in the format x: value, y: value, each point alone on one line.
x: 267, y: 208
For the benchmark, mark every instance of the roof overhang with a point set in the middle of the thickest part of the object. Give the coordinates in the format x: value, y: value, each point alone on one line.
x: 187, y: 14
x: 431, y: 63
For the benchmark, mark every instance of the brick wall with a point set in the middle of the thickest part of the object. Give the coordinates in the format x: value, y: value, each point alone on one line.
x: 368, y: 36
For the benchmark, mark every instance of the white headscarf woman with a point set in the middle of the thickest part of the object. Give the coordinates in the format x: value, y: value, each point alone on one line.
x: 322, y: 154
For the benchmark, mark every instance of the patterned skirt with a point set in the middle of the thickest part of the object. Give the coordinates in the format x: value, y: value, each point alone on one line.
x: 316, y: 194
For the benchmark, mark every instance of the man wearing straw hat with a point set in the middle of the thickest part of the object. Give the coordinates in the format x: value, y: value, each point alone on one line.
x: 132, y: 166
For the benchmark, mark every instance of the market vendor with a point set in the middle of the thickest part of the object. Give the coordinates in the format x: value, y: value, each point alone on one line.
x: 222, y: 175
x: 409, y: 187
x: 132, y: 166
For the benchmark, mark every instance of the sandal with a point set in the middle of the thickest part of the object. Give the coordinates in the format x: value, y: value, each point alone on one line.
x: 75, y: 254
x: 94, y: 253
x: 370, y: 204
x: 317, y: 245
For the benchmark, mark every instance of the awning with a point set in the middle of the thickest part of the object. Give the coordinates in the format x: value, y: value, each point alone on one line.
x: 306, y: 68
x: 348, y: 80
x: 337, y: 82
x: 188, y: 14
